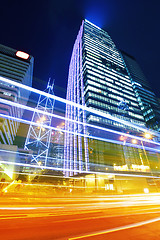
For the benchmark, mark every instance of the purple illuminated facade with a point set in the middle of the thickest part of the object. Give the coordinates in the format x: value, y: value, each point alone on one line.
x: 76, y: 155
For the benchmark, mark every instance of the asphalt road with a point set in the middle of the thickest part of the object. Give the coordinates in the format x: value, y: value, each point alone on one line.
x: 112, y: 218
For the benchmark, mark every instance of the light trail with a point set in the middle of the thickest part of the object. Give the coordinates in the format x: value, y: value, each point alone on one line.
x: 106, y: 115
x: 17, y: 208
x: 73, y: 209
x: 77, y: 171
x: 28, y: 208
x: 70, y: 120
x: 139, y: 224
x: 42, y: 175
x: 84, y: 135
x: 101, y: 217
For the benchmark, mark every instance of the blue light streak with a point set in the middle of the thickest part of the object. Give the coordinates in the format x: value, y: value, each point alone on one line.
x: 84, y: 135
x: 106, y: 115
x: 71, y: 120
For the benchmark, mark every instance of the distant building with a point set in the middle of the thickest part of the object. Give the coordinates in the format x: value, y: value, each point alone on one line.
x: 147, y: 100
x: 16, y: 66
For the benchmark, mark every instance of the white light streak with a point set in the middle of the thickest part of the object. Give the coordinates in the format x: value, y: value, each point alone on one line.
x: 106, y: 115
x: 83, y: 135
x: 17, y: 208
x: 77, y: 171
x: 74, y: 121
x: 139, y: 224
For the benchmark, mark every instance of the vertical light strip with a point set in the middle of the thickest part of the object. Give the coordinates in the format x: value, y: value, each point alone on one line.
x: 78, y: 115
x: 75, y: 109
x: 80, y: 157
x: 83, y: 103
x: 67, y: 162
x: 71, y: 117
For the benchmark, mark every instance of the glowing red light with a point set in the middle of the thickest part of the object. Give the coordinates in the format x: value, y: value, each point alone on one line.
x: 22, y: 55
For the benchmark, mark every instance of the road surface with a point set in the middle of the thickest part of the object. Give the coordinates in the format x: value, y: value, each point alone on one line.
x: 120, y: 217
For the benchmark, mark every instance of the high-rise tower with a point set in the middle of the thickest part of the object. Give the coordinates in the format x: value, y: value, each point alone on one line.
x: 17, y: 66
x: 147, y: 100
x: 98, y: 79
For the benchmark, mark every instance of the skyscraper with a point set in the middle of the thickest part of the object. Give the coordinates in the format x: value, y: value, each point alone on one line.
x: 17, y: 66
x: 107, y: 85
x: 99, y: 78
x: 147, y: 100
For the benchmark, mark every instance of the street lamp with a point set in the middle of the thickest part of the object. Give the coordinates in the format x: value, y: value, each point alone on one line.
x: 147, y: 135
x: 134, y: 141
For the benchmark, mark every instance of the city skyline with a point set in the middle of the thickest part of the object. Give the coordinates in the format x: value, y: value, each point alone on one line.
x: 41, y: 35
x: 79, y: 119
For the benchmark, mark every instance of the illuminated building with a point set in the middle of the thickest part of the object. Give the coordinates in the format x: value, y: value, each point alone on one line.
x: 98, y: 78
x: 148, y: 102
x: 17, y: 66
x: 107, y: 85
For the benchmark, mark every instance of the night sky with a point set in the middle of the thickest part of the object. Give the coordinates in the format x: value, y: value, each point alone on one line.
x: 47, y: 30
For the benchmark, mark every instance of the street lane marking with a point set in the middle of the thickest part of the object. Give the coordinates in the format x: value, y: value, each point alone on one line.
x: 117, y: 229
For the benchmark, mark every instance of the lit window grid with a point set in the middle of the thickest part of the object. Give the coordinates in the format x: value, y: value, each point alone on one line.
x: 109, y: 82
x: 98, y: 97
x: 134, y: 117
x: 95, y: 39
x: 89, y: 41
x: 96, y: 92
x: 129, y: 95
x: 97, y: 101
x: 106, y: 54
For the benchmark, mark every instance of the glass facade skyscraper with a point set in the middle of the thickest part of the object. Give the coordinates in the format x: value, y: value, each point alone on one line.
x: 147, y: 100
x: 99, y: 78
x: 107, y: 86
